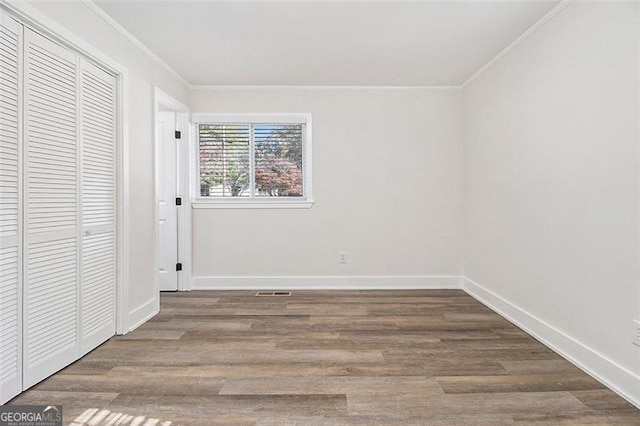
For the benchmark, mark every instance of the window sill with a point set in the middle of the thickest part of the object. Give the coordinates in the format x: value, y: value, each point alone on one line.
x: 252, y: 204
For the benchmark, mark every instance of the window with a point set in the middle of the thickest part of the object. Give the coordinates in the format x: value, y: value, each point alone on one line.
x: 253, y: 161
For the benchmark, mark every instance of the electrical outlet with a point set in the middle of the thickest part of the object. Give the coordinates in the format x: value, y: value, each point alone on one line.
x: 342, y: 258
x: 636, y: 332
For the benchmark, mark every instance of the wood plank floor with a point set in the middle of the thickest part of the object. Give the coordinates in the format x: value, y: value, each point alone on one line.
x: 328, y: 358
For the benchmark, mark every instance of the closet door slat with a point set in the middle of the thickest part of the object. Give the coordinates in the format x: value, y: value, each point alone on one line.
x: 10, y: 208
x: 51, y: 165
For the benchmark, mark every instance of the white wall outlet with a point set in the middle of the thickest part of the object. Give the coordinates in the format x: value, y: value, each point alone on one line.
x: 636, y: 332
x: 342, y: 258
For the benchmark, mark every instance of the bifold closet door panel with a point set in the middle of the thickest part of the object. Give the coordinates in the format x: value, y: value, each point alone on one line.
x: 98, y: 136
x: 51, y: 255
x: 10, y: 209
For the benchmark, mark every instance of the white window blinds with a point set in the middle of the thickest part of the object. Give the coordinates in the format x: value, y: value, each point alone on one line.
x: 251, y: 160
x: 278, y: 160
x: 224, y: 160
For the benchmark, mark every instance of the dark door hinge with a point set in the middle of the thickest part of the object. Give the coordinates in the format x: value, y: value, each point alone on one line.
x: 178, y: 266
x: 178, y: 201
x: 178, y: 134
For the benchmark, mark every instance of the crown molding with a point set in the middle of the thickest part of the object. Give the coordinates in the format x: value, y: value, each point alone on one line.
x: 525, y: 35
x: 318, y: 87
x: 119, y: 28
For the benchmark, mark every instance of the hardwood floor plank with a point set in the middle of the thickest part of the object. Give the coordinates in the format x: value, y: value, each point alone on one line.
x: 543, y: 366
x: 178, y: 324
x: 197, y: 345
x: 564, y: 418
x: 387, y: 420
x: 146, y: 334
x: 61, y: 397
x: 518, y: 383
x: 159, y: 385
x: 352, y: 344
x: 202, y: 406
x: 494, y: 403
x: 185, y: 301
x: 238, y: 370
x: 419, y: 336
x: 537, y: 353
x: 301, y: 385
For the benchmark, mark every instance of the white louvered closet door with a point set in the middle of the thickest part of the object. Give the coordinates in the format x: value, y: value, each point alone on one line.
x: 97, y: 134
x: 10, y: 209
x: 51, y: 253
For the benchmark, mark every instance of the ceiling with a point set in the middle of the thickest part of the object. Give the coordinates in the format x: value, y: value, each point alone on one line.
x: 418, y: 43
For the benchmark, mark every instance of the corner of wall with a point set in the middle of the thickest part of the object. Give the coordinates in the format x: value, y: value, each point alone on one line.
x: 143, y: 313
x: 119, y: 28
x: 514, y: 44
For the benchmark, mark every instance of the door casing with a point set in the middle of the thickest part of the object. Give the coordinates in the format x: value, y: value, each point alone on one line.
x: 165, y: 102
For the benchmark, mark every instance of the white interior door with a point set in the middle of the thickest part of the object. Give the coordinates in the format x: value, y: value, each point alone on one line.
x: 10, y: 209
x: 167, y: 209
x: 51, y: 255
x: 98, y: 136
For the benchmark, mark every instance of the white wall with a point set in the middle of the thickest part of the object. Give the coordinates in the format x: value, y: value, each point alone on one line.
x: 551, y: 185
x: 387, y: 181
x: 143, y: 73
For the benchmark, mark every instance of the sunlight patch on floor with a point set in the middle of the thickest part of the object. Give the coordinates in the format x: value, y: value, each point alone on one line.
x: 98, y: 417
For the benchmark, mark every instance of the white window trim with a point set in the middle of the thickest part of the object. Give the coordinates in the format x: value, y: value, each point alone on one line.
x: 305, y: 202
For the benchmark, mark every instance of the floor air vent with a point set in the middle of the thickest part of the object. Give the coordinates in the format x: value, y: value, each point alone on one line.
x: 273, y: 293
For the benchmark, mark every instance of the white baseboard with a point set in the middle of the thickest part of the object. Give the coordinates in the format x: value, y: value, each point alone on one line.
x: 326, y: 282
x: 143, y: 313
x: 619, y: 379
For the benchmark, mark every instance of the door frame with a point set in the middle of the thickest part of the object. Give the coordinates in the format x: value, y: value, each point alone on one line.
x: 183, y: 115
